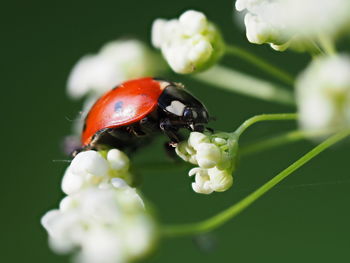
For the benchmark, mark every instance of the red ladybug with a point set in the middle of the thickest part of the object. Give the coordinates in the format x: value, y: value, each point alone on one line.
x: 128, y: 115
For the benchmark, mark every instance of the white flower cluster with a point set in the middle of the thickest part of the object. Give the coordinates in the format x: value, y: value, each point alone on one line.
x: 323, y: 94
x: 117, y: 61
x: 293, y: 23
x: 215, y: 154
x: 102, y: 217
x: 190, y: 43
x: 91, y: 168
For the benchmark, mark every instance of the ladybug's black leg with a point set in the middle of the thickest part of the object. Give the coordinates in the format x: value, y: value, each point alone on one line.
x: 172, y: 132
x: 136, y: 131
x: 211, y: 130
x: 149, y: 124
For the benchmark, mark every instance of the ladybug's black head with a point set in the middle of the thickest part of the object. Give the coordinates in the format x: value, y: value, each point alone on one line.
x: 195, y: 117
x: 182, y: 108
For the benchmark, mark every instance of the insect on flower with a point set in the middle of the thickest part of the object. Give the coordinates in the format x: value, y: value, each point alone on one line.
x: 128, y: 115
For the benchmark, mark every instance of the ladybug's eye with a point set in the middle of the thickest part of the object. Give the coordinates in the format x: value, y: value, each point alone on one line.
x: 188, y: 114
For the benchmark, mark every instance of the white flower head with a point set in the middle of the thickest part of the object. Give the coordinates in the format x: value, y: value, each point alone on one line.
x: 92, y: 168
x: 215, y: 154
x: 190, y: 43
x: 323, y: 94
x: 116, y: 62
x: 105, y: 225
x: 294, y: 23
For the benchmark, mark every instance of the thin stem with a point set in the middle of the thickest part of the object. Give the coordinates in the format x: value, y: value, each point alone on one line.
x: 234, y: 210
x: 327, y: 44
x: 265, y: 117
x: 289, y: 137
x: 241, y: 83
x: 260, y: 63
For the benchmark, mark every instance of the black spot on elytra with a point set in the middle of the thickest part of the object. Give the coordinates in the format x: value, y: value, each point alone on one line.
x: 84, y: 127
x: 118, y: 106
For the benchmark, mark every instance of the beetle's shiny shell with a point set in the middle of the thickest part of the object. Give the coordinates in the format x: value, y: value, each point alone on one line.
x: 121, y: 106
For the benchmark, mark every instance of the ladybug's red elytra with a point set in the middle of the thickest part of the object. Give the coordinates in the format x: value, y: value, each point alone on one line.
x: 132, y: 112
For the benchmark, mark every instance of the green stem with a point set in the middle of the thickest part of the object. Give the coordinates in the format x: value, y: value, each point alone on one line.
x: 279, y: 140
x: 327, y: 44
x: 260, y: 63
x: 265, y: 117
x: 234, y: 210
x: 238, y: 82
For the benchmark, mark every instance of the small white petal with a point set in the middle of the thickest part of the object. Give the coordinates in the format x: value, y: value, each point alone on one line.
x: 158, y: 32
x: 118, y: 160
x: 71, y: 182
x: 89, y: 162
x: 197, y: 138
x: 193, y: 22
x: 118, y: 183
x: 208, y: 155
x: 220, y: 180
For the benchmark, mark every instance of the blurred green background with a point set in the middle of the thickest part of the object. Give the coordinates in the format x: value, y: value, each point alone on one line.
x: 305, y: 219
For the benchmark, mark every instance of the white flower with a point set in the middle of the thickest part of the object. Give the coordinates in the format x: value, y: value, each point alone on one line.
x: 215, y: 154
x: 106, y: 225
x: 190, y: 43
x: 116, y: 62
x: 294, y: 23
x: 210, y: 180
x: 92, y: 168
x: 323, y: 94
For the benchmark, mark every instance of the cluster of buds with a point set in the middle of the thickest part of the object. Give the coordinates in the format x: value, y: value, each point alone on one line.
x: 189, y: 44
x: 92, y: 168
x: 323, y: 94
x: 296, y: 24
x: 215, y: 154
x: 102, y: 217
x: 117, y: 61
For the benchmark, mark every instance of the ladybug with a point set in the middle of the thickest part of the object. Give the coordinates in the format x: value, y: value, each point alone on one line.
x: 131, y: 113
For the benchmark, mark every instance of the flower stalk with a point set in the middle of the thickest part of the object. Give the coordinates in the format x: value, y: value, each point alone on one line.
x: 241, y: 83
x: 265, y: 117
x: 260, y: 63
x: 282, y: 139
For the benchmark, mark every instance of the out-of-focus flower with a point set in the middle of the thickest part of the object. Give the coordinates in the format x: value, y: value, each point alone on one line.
x: 294, y: 23
x: 105, y: 225
x: 323, y: 94
x: 92, y: 168
x: 190, y: 43
x: 215, y: 154
x: 117, y: 61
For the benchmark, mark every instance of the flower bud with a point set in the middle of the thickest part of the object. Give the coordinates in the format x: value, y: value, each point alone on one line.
x: 208, y: 155
x: 220, y: 180
x: 201, y: 184
x: 197, y: 138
